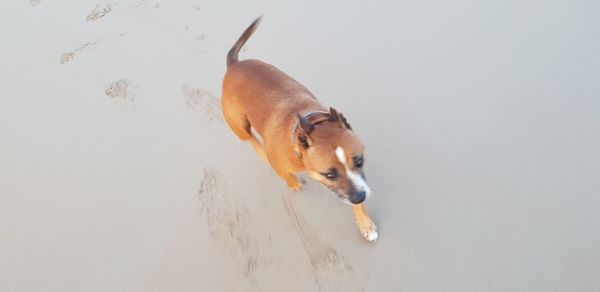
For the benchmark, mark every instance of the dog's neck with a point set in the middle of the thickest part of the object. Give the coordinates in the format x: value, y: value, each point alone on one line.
x: 315, y: 118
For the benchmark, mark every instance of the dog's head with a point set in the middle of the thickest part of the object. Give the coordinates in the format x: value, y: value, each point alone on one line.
x: 333, y: 155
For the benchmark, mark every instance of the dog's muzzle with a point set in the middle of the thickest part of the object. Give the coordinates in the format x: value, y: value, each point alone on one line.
x: 358, y: 197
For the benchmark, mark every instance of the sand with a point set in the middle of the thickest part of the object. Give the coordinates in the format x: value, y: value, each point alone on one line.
x: 480, y: 122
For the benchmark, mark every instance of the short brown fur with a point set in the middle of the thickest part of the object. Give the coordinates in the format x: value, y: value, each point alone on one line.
x: 258, y: 96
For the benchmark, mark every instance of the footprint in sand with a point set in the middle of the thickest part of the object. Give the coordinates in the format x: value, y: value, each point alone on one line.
x: 227, y: 224
x: 99, y: 12
x: 121, y: 90
x: 70, y: 55
x: 203, y: 101
x: 332, y: 272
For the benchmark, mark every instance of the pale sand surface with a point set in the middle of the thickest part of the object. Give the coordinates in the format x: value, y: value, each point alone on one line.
x: 481, y: 123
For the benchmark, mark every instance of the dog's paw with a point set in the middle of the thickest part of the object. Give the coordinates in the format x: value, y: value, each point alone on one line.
x: 297, y: 186
x: 368, y: 229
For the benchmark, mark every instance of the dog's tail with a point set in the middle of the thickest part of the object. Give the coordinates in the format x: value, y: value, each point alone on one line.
x: 232, y: 56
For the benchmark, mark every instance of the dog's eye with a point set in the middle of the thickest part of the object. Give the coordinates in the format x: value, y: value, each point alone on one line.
x: 358, y: 161
x: 332, y: 174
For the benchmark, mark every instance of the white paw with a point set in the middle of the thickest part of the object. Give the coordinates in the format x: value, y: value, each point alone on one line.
x: 368, y: 231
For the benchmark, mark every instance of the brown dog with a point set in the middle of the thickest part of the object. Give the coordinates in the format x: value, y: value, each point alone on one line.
x: 299, y: 134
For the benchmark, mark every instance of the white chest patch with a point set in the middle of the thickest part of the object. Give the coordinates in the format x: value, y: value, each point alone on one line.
x: 356, y: 179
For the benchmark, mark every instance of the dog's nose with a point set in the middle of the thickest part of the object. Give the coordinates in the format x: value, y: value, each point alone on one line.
x: 358, y: 197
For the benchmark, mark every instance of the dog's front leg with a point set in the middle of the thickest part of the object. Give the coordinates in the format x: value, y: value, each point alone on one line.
x: 366, y: 226
x: 293, y: 182
x: 291, y: 179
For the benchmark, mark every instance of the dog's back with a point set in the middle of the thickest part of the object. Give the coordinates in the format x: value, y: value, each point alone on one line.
x: 261, y: 92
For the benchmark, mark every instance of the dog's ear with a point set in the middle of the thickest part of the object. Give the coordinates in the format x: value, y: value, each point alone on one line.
x: 334, y: 116
x: 345, y: 122
x: 304, y: 134
x: 306, y: 125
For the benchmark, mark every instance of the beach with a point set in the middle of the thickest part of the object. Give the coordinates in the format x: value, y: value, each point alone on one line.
x: 480, y: 122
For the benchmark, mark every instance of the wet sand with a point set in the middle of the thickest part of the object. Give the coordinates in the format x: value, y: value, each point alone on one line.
x: 480, y: 122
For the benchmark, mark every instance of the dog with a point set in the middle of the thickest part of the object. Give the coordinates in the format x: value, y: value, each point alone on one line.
x: 298, y: 133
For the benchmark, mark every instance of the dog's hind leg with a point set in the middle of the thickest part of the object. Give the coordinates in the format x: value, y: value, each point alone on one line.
x: 239, y: 124
x: 258, y: 147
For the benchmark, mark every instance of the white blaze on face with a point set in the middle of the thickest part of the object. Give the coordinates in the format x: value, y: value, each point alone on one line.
x: 356, y: 179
